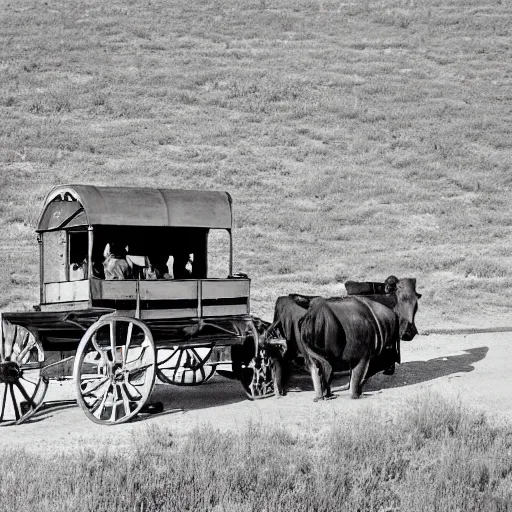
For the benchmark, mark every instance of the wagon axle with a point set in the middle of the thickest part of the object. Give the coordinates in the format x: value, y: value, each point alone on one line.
x: 9, y: 372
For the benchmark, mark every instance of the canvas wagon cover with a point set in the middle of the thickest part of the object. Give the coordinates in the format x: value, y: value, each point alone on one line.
x: 78, y: 205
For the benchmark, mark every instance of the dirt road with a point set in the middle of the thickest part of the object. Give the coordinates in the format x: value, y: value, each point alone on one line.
x: 472, y: 367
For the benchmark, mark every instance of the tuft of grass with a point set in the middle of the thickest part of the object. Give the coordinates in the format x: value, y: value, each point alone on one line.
x: 484, y: 268
x: 435, y: 455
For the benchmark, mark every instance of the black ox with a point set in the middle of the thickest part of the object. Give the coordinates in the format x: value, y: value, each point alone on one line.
x: 362, y: 333
x: 290, y: 309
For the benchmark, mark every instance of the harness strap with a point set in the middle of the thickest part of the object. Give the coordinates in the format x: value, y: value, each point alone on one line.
x: 366, y: 302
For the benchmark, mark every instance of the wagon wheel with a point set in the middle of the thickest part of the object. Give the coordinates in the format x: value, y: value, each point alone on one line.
x: 185, y: 366
x: 256, y: 374
x: 22, y: 386
x: 114, y: 369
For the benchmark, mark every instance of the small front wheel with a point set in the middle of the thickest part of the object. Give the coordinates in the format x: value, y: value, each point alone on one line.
x: 257, y: 374
x: 115, y: 368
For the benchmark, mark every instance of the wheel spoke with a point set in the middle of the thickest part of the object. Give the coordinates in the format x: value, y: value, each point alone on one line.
x: 113, y: 413
x: 187, y: 367
x: 9, y: 337
x: 138, y: 359
x: 14, y: 403
x: 133, y: 391
x: 178, y: 364
x: 126, y: 400
x: 4, y: 400
x: 19, y: 343
x: 100, y: 404
x: 23, y: 376
x: 34, y: 365
x: 195, y: 356
x: 161, y: 363
x: 139, y: 369
x: 103, y: 356
x: 113, y: 340
x: 261, y: 383
x: 90, y: 391
x: 26, y: 348
x: 25, y: 395
x: 128, y: 341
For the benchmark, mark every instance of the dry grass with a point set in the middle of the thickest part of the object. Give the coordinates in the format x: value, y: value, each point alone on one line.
x: 358, y: 139
x: 434, y: 456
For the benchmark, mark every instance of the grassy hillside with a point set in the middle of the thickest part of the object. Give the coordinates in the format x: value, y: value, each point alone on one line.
x: 358, y: 139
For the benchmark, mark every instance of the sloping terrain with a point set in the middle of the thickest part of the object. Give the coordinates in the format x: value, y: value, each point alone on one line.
x: 358, y: 139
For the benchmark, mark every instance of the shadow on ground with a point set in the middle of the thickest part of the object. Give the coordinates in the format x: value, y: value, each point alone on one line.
x: 175, y: 399
x: 216, y: 392
x: 221, y: 391
x: 416, y: 372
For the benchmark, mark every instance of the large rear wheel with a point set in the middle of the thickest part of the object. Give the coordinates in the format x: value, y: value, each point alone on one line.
x: 115, y: 369
x: 22, y: 386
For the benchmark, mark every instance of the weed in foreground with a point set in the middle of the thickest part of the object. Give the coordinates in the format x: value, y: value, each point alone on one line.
x: 436, y: 455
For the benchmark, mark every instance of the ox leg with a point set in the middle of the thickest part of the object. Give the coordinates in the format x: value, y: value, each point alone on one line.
x: 328, y: 394
x: 317, y: 382
x: 357, y: 377
x: 390, y: 370
x: 279, y: 377
x: 346, y: 386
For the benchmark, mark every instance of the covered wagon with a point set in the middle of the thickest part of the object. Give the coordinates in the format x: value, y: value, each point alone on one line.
x: 158, y: 314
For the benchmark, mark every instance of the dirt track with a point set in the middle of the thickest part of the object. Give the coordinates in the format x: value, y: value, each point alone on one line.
x: 474, y: 367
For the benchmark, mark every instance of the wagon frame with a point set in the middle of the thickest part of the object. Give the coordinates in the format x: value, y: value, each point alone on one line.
x: 121, y: 335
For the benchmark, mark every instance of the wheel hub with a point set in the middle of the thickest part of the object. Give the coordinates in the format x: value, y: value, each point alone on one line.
x: 118, y: 374
x: 9, y: 372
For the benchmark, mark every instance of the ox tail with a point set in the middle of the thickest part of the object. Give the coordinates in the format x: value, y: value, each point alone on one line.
x: 317, y: 328
x: 314, y: 358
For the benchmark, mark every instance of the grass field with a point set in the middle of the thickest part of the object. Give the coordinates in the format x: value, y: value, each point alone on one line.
x: 434, y: 456
x: 358, y: 139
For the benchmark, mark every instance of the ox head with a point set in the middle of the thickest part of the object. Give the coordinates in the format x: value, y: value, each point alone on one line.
x: 390, y: 284
x: 406, y: 307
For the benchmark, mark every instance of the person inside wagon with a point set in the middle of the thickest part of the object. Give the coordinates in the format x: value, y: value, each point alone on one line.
x: 78, y: 269
x: 158, y: 268
x: 183, y: 265
x: 115, y: 264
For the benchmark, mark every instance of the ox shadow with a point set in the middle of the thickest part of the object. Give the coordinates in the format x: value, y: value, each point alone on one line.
x: 416, y: 372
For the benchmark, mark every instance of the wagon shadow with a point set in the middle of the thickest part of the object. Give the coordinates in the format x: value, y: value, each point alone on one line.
x: 416, y: 372
x: 218, y: 391
x: 48, y: 409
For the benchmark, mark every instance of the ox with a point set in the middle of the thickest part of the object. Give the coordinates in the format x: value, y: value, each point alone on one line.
x: 289, y: 310
x: 361, y: 332
x: 287, y: 314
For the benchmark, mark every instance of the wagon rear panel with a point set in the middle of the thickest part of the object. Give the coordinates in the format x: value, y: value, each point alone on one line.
x: 174, y: 299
